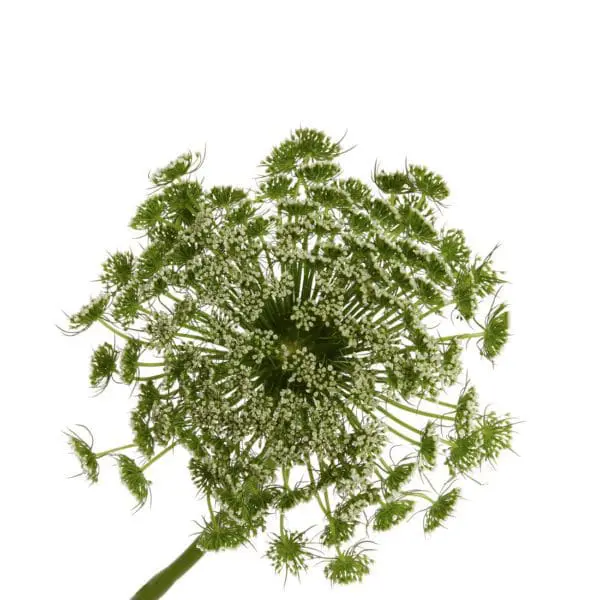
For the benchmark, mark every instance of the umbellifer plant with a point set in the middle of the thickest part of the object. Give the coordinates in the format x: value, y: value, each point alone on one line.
x: 302, y: 342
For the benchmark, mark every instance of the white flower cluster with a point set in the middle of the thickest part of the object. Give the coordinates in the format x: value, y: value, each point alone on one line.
x: 162, y: 330
x: 298, y: 326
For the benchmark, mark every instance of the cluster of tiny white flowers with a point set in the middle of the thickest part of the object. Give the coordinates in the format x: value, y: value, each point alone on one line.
x: 304, y: 367
x: 295, y: 327
x: 352, y: 508
x: 161, y: 330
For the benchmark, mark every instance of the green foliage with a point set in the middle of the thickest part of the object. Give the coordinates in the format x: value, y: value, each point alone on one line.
x: 222, y: 532
x: 318, y: 172
x: 466, y: 410
x: 128, y: 364
x: 149, y: 397
x: 495, y: 333
x: 103, y: 365
x: 464, y: 453
x: 289, y: 552
x: 454, y: 249
x: 183, y: 165
x: 151, y: 260
x: 224, y: 196
x: 142, y: 432
x: 127, y: 305
x: 486, y: 280
x: 399, y: 475
x: 149, y: 214
x: 85, y: 455
x: 89, y: 313
x: 440, y: 510
x: 301, y: 146
x: 496, y: 434
x: 392, y: 513
x: 290, y: 498
x: 277, y: 187
x: 428, y: 447
x: 348, y: 566
x: 464, y: 294
x: 414, y: 179
x: 118, y: 270
x: 292, y: 337
x: 482, y: 440
x: 133, y: 478
x: 338, y: 530
x: 398, y: 182
x: 428, y: 183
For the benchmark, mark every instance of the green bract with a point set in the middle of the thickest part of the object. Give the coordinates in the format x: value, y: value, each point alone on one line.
x: 287, y: 338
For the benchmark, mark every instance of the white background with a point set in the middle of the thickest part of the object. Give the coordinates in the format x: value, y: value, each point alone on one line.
x: 501, y: 98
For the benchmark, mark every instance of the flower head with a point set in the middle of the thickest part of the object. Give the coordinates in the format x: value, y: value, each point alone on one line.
x: 348, y: 566
x: 287, y: 337
x: 289, y: 552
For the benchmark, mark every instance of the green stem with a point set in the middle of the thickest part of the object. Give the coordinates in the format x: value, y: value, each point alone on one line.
x: 211, y: 510
x: 461, y: 336
x: 397, y: 420
x: 268, y: 257
x: 162, y: 581
x: 441, y: 403
x: 150, y: 377
x: 285, y: 475
x: 327, y: 503
x: 105, y: 452
x: 192, y: 337
x: 325, y: 508
x: 114, y: 330
x: 159, y: 455
x: 172, y: 297
x: 445, y: 338
x: 402, y: 436
x: 420, y: 495
x: 435, y: 309
x: 385, y: 465
x: 325, y: 493
x: 314, y: 485
x: 199, y: 313
x: 414, y: 411
x: 380, y: 473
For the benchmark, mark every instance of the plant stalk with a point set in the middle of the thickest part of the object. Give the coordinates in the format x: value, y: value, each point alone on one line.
x: 163, y: 580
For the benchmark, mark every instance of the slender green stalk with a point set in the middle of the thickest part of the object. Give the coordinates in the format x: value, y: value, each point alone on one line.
x: 397, y: 420
x: 172, y: 297
x: 314, y: 484
x: 159, y: 455
x: 414, y: 411
x: 420, y: 495
x: 117, y: 449
x: 149, y: 377
x: 460, y: 336
x: 211, y: 510
x: 114, y: 330
x: 189, y: 336
x: 402, y: 436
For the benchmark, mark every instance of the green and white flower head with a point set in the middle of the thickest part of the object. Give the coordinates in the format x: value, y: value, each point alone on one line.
x: 287, y: 337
